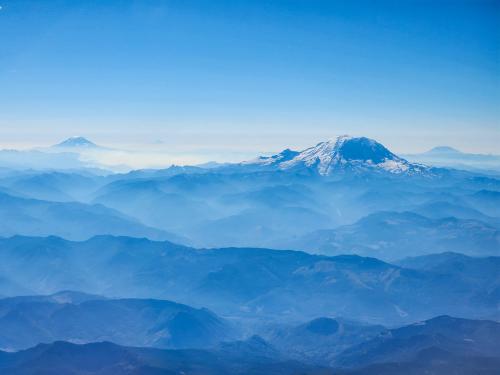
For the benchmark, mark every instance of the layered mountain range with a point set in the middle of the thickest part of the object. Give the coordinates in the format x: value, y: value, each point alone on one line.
x: 437, y: 346
x: 301, y: 200
x: 250, y: 283
x: 343, y: 258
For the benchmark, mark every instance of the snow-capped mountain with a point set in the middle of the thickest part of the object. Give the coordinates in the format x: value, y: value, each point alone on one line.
x: 76, y: 142
x: 340, y: 154
x: 274, y: 160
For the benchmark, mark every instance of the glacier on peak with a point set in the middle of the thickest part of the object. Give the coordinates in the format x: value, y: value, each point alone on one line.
x: 341, y: 153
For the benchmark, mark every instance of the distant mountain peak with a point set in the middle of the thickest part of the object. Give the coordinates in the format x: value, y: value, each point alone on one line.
x: 79, y: 142
x: 443, y: 150
x: 346, y: 152
x: 340, y: 154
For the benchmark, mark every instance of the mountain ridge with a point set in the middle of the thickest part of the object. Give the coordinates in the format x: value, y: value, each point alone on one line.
x: 243, y: 282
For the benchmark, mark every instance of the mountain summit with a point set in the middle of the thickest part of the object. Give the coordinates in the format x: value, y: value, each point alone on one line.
x: 341, y: 154
x: 76, y: 142
x: 443, y: 150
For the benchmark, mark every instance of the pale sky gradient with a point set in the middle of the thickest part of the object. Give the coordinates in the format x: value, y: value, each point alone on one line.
x: 231, y: 78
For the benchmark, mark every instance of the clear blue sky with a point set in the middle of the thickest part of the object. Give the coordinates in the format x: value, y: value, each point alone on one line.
x: 260, y: 74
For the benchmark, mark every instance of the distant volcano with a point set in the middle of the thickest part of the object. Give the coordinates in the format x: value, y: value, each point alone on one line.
x: 342, y: 153
x: 76, y: 142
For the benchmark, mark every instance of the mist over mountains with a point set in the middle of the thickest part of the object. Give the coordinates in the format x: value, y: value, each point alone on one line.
x: 445, y: 156
x: 342, y: 258
x: 297, y: 200
x: 249, y: 187
x: 81, y: 153
x: 246, y: 283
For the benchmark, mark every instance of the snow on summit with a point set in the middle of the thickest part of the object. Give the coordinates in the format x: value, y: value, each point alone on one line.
x: 342, y: 153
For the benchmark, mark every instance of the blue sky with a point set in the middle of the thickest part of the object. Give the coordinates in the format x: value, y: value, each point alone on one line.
x: 250, y: 75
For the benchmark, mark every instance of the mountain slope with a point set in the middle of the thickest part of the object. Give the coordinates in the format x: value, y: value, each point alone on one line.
x: 435, y: 347
x: 443, y: 209
x: 274, y: 160
x: 395, y: 235
x: 219, y: 209
x: 461, y: 337
x: 52, y: 186
x: 432, y: 361
x: 67, y: 219
x: 104, y: 358
x: 319, y: 340
x: 75, y: 317
x: 243, y: 282
x: 487, y: 200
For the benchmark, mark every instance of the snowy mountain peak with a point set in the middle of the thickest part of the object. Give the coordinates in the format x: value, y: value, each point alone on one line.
x: 342, y: 153
x: 364, y: 149
x: 76, y: 142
